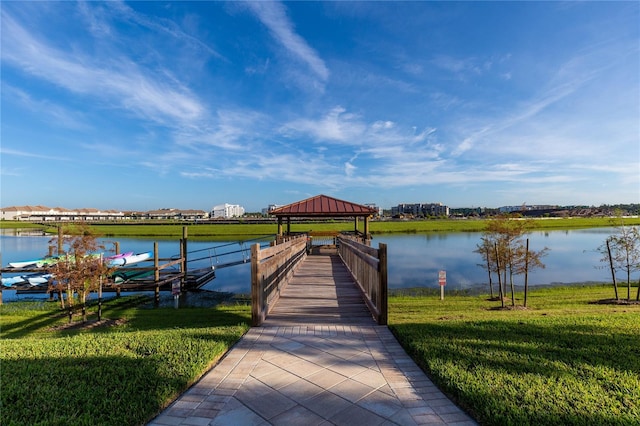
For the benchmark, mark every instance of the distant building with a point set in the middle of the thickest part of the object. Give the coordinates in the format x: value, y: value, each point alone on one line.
x: 526, y: 208
x: 227, y: 211
x: 271, y: 207
x: 426, y: 209
x: 57, y: 214
x: 176, y: 214
x: 374, y: 206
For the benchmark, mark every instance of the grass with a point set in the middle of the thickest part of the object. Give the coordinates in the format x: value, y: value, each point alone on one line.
x: 117, y: 375
x: 173, y: 230
x: 564, y: 360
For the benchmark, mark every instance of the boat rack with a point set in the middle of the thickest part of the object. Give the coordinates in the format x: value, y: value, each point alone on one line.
x: 150, y: 278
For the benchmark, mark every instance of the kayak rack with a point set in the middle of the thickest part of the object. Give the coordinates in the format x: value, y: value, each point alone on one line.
x: 187, y: 271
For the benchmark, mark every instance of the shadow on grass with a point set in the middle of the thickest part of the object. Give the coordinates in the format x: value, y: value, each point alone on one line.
x: 32, y: 324
x: 121, y: 375
x: 135, y: 310
x: 102, y: 378
x: 86, y: 390
x: 509, y: 372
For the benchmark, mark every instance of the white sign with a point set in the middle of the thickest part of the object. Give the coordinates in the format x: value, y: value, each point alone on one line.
x: 442, y: 277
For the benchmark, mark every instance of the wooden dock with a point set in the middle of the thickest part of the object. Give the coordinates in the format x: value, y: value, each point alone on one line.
x: 321, y: 291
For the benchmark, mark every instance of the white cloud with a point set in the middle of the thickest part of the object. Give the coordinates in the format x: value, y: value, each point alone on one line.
x: 116, y: 80
x: 349, y: 169
x: 274, y: 16
x: 337, y: 126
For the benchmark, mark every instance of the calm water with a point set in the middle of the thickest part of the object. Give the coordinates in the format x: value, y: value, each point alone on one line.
x: 414, y: 260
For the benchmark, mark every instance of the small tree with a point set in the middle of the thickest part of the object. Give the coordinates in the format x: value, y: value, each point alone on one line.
x: 78, y: 269
x: 622, y: 252
x: 484, y: 249
x: 505, y: 253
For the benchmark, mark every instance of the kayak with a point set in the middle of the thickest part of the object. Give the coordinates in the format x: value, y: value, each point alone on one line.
x: 130, y: 260
x: 123, y: 276
x: 10, y: 281
x: 117, y: 259
x: 24, y: 263
x: 118, y: 256
x: 39, y: 279
x: 49, y: 261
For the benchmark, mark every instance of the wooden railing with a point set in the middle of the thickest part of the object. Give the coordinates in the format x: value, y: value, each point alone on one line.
x: 368, y: 266
x: 271, y: 269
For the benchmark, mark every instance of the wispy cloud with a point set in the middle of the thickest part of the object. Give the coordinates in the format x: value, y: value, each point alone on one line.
x: 160, y: 25
x: 337, y: 126
x: 116, y: 80
x: 274, y: 16
x: 19, y: 153
x: 49, y: 111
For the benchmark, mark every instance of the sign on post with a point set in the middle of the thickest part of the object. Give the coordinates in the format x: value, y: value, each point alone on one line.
x: 442, y: 280
x: 442, y: 277
x: 175, y: 290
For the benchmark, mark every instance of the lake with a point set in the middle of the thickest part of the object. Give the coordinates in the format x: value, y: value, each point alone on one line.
x: 414, y: 259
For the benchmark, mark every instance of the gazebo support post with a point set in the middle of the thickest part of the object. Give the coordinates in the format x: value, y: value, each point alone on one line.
x: 366, y: 227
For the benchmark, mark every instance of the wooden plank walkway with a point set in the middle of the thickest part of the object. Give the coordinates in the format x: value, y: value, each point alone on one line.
x: 318, y: 359
x: 322, y: 291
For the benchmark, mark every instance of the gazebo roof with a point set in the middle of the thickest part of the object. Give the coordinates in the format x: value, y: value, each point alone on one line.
x: 323, y: 206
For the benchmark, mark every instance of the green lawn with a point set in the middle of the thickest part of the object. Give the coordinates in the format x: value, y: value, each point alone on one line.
x: 116, y: 375
x: 240, y: 231
x: 563, y: 361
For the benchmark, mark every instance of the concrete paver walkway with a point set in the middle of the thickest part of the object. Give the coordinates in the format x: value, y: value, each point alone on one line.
x: 314, y: 372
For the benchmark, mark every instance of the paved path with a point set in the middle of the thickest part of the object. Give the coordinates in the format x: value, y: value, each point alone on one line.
x: 326, y: 365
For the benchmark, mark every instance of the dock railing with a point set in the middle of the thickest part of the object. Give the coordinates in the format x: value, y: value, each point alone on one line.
x: 368, y: 266
x: 271, y: 270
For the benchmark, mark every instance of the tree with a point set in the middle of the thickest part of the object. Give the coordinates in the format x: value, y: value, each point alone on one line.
x: 484, y: 249
x: 78, y: 268
x: 622, y: 252
x: 505, y: 253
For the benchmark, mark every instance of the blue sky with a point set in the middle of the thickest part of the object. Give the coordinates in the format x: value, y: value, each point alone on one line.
x: 147, y: 105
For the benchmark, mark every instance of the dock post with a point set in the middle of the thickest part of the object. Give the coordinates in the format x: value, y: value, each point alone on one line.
x: 156, y: 275
x: 183, y: 253
x: 60, y: 246
x: 257, y: 312
x: 383, y: 292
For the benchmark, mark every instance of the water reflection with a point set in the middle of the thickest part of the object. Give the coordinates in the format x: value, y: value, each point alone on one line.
x: 414, y: 260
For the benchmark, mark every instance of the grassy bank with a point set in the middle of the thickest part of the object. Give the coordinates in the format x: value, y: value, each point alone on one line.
x: 565, y: 360
x: 121, y: 373
x: 172, y: 230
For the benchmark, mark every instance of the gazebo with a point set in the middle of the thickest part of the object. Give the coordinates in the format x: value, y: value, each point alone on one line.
x: 322, y: 206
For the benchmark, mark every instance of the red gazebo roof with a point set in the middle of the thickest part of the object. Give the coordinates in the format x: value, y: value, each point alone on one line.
x: 323, y: 206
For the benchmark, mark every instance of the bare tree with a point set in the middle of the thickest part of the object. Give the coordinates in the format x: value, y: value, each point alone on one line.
x: 506, y: 254
x: 79, y: 268
x: 622, y: 252
x: 484, y: 249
